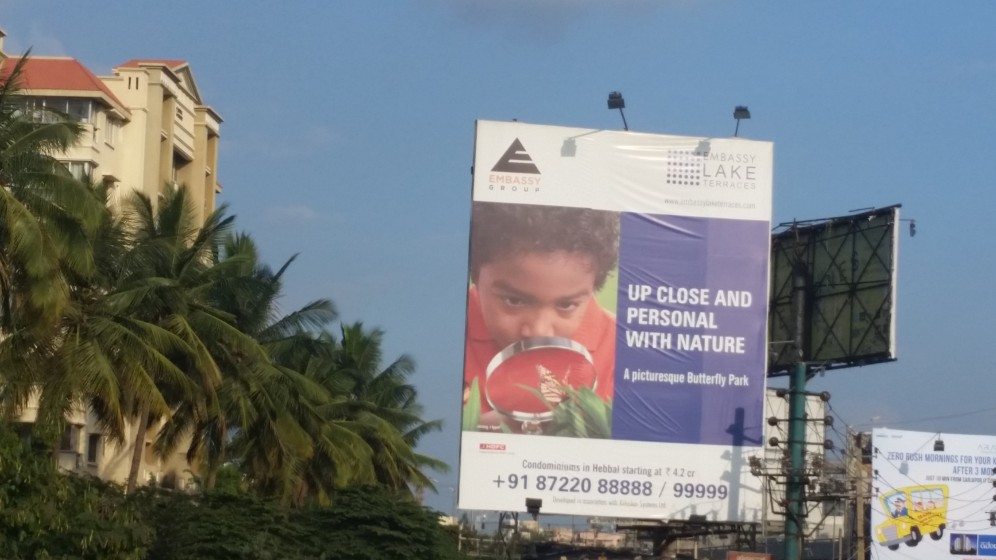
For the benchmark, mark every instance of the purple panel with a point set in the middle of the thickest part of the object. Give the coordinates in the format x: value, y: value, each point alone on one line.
x: 692, y: 314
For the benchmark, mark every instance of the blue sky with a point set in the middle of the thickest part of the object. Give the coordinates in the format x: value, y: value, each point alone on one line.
x: 349, y: 127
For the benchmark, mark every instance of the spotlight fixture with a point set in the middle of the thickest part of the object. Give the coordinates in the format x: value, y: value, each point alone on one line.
x: 533, y: 506
x: 740, y: 112
x: 939, y: 444
x: 616, y: 101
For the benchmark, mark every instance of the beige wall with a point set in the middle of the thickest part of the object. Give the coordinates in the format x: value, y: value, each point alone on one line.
x: 168, y: 125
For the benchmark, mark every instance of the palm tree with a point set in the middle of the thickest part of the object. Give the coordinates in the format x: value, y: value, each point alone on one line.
x: 47, y: 220
x: 146, y: 317
x: 103, y: 355
x: 168, y: 275
x: 36, y: 189
x: 383, y: 401
x: 339, y: 453
x: 274, y: 411
x: 254, y: 398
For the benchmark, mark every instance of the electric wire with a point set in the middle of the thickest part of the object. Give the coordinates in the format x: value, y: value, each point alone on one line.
x: 960, y: 503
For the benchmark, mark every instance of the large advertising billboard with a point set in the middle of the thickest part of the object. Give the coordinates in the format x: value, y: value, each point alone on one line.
x: 616, y: 323
x: 932, y: 496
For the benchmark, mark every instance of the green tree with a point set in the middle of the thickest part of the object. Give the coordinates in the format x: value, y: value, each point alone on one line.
x: 44, y: 514
x: 341, y: 454
x: 52, y: 233
x: 383, y: 401
x: 375, y: 523
x: 260, y: 402
x: 168, y: 274
x: 105, y: 356
x: 34, y: 183
x: 363, y: 523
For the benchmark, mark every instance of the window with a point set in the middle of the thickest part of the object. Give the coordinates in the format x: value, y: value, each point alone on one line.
x: 39, y: 109
x: 178, y: 173
x: 52, y: 109
x: 110, y: 130
x: 80, y: 170
x: 69, y: 435
x: 78, y: 109
x: 92, y: 448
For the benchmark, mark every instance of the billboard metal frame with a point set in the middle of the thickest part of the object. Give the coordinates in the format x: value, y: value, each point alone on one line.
x: 848, y: 316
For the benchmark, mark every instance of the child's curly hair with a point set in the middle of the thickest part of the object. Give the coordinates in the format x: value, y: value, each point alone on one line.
x: 499, y: 230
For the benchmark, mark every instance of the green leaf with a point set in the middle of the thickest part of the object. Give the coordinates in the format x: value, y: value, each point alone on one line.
x: 472, y: 408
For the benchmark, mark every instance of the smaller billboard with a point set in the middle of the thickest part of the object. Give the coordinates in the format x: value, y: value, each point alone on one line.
x: 849, y: 266
x: 932, y: 497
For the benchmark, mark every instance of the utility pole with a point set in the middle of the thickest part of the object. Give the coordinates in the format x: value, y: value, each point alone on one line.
x: 795, y: 483
x: 860, y: 491
x: 802, y: 290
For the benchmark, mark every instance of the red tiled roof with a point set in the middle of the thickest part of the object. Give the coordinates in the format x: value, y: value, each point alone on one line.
x: 56, y: 74
x: 172, y: 64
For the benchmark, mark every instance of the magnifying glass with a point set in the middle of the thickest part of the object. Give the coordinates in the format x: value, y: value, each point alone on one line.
x: 529, y: 378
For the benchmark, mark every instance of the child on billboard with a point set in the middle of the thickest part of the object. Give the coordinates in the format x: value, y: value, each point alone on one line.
x: 537, y: 339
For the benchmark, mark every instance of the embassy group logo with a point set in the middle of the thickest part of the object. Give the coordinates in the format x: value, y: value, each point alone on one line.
x: 515, y: 171
x: 491, y: 446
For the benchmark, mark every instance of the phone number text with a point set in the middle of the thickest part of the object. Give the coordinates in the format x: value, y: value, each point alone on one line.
x: 610, y: 486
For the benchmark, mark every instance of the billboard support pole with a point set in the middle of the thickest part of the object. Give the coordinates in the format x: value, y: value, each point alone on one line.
x: 796, y: 448
x: 859, y: 498
x: 795, y: 483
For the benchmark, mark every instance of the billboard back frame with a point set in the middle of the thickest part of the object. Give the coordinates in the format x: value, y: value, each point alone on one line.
x: 850, y: 269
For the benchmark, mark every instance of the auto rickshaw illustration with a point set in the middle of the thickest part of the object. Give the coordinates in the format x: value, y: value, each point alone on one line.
x: 912, y: 512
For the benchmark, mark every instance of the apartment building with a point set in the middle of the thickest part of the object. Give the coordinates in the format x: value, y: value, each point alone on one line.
x: 145, y: 126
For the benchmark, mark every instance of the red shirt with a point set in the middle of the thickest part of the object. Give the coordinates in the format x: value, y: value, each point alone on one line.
x: 597, y: 333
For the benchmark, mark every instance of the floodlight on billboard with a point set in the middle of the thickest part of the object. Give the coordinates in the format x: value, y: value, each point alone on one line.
x: 615, y: 350
x: 849, y: 267
x: 930, y: 504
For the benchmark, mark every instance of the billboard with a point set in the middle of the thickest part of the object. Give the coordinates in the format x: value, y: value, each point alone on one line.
x: 616, y: 321
x: 849, y: 264
x: 929, y: 502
